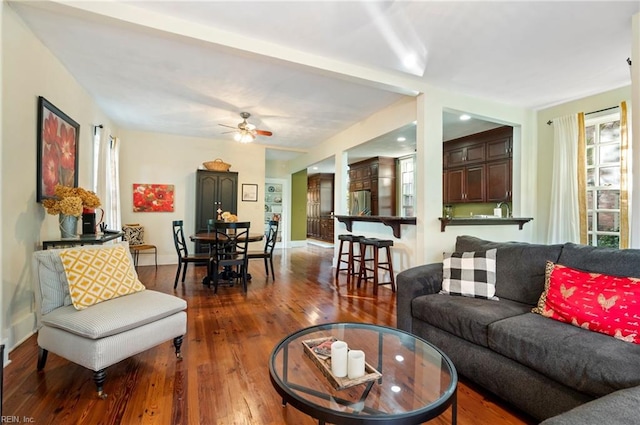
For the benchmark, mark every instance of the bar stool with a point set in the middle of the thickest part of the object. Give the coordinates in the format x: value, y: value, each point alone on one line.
x: 352, y: 257
x: 375, y: 244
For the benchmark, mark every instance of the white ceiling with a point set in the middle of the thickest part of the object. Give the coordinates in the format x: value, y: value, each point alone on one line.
x: 308, y: 70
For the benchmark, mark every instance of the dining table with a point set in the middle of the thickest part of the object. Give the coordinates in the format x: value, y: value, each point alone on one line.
x: 209, y: 238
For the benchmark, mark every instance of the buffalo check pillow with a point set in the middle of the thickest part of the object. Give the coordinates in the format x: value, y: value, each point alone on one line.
x: 470, y: 274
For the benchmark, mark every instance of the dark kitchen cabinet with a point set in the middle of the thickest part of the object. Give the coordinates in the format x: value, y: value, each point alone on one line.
x: 499, y: 149
x: 464, y: 155
x: 377, y: 175
x: 214, y: 189
x: 477, y: 168
x: 465, y: 184
x: 320, y: 206
x: 499, y: 181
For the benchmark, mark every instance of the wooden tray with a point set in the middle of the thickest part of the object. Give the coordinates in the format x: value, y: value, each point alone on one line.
x: 324, y: 364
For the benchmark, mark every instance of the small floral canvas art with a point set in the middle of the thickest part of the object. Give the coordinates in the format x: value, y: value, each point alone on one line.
x: 152, y: 197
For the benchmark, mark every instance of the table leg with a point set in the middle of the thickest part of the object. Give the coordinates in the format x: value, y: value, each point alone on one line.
x: 454, y: 408
x: 284, y: 403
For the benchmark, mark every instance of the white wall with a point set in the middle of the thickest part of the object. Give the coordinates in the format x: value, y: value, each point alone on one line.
x: 29, y: 70
x: 172, y: 159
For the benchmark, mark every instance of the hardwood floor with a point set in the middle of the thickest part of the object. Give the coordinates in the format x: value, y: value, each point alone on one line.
x: 223, y: 378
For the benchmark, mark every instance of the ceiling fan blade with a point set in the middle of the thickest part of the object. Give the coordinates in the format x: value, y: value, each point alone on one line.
x: 230, y: 126
x: 263, y: 132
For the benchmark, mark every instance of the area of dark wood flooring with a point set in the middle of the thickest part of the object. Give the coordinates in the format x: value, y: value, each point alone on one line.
x: 223, y: 377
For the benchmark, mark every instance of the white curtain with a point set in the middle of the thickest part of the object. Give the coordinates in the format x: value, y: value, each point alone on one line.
x: 633, y: 180
x: 108, y: 178
x: 564, y: 216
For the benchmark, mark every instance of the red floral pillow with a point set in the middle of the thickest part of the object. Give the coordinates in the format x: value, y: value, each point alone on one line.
x: 594, y: 301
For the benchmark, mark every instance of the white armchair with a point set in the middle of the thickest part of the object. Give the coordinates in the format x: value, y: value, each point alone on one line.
x: 98, y: 326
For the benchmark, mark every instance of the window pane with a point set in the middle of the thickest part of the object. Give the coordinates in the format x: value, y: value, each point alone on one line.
x: 589, y: 221
x: 609, y: 176
x: 610, y: 132
x: 610, y: 241
x: 590, y: 239
x: 591, y: 161
x: 590, y: 134
x: 589, y: 199
x: 591, y: 179
x: 609, y: 154
x: 609, y: 199
x: 608, y: 222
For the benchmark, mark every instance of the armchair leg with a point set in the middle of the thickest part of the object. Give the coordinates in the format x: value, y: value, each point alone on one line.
x: 42, y: 357
x: 177, y: 343
x: 99, y: 377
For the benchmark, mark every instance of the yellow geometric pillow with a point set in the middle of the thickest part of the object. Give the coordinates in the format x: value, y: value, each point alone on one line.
x: 96, y: 275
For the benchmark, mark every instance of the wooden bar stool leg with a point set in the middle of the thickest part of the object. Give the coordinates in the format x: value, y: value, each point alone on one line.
x: 390, y: 264
x: 375, y: 270
x: 339, y: 261
x: 363, y: 263
x: 350, y: 265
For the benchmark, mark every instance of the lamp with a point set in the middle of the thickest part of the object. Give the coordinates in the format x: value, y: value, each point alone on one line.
x: 244, y: 136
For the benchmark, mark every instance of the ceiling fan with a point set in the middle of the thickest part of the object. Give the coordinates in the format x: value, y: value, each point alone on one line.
x: 245, y: 132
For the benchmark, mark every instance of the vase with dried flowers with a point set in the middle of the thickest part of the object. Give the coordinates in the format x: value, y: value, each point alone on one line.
x: 68, y: 204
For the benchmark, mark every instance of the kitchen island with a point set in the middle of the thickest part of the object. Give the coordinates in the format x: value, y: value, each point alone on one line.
x: 394, y: 222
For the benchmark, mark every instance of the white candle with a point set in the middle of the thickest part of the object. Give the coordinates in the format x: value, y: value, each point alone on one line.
x: 339, y: 359
x: 355, y: 364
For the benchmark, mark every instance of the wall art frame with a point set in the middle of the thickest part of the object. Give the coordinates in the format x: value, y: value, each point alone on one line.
x: 153, y: 197
x: 249, y: 192
x: 58, y: 140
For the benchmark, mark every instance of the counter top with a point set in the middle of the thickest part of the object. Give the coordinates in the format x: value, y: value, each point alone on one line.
x: 479, y: 221
x: 392, y: 221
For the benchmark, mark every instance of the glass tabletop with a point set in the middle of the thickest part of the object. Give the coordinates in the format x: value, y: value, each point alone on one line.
x: 418, y: 381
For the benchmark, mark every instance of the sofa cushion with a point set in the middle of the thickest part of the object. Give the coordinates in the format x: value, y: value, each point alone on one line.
x: 98, y: 275
x: 470, y: 274
x: 99, y: 321
x: 613, y: 409
x: 586, y: 361
x: 617, y: 262
x: 519, y: 266
x: 464, y: 317
x: 595, y: 301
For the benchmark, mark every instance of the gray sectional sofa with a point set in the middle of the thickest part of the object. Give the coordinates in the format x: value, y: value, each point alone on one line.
x: 542, y: 366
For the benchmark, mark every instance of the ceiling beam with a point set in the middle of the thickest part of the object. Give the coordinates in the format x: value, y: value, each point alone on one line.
x: 393, y: 81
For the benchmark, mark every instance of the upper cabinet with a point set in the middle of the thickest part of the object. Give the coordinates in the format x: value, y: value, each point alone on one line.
x: 377, y: 175
x: 477, y: 168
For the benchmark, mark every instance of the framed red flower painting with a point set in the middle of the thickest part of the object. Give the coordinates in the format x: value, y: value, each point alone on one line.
x: 58, y: 138
x: 152, y: 197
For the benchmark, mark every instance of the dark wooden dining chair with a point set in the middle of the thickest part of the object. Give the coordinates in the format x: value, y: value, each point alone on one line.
x: 184, y: 258
x: 269, y: 245
x: 229, y: 252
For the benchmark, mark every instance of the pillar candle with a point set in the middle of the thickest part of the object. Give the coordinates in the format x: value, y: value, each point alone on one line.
x: 355, y: 364
x: 339, y: 359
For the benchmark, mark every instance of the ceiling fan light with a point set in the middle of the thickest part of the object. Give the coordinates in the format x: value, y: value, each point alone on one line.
x: 237, y: 137
x: 246, y: 137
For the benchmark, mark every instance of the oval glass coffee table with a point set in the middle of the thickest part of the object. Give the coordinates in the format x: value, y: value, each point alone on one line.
x: 410, y: 381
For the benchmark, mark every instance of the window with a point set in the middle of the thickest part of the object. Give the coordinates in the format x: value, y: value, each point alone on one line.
x: 407, y: 186
x: 602, y: 136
